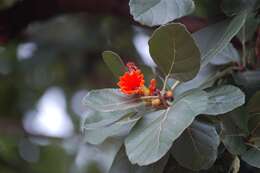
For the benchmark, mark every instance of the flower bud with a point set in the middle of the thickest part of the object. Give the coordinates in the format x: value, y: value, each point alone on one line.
x: 156, y: 102
x: 169, y: 94
x: 146, y: 91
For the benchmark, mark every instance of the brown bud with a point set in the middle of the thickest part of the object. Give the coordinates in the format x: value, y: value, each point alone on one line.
x: 156, y: 102
x: 169, y: 94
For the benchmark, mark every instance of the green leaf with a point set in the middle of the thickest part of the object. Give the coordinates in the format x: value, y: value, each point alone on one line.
x: 254, y: 126
x: 158, y: 12
x: 206, y: 9
x: 153, y: 136
x: 234, y: 129
x: 252, y: 157
x: 240, y: 118
x: 197, y: 147
x: 148, y: 73
x: 95, y: 119
x: 234, y: 144
x: 102, y: 155
x: 224, y: 99
x: 97, y: 133
x: 114, y: 63
x: 229, y: 54
x: 233, y: 141
x: 232, y: 7
x: 204, y: 75
x: 253, y: 104
x: 214, y: 38
x: 111, y: 100
x: 248, y: 79
x: 250, y: 28
x: 175, y: 52
x: 235, y: 122
x: 121, y: 164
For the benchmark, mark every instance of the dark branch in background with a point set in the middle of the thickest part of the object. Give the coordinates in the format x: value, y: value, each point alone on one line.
x: 19, y: 16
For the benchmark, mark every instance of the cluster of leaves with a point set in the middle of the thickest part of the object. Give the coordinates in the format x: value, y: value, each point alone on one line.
x: 206, y: 110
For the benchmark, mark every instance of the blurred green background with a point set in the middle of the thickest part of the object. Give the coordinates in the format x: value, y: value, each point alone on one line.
x: 43, y: 77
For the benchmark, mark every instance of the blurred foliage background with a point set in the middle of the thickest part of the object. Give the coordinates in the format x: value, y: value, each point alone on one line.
x: 46, y: 68
x: 45, y: 71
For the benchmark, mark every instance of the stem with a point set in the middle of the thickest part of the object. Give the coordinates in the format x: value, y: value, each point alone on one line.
x: 170, y: 70
x: 165, y: 83
x: 252, y: 133
x: 218, y: 75
x: 236, y: 135
x: 149, y: 97
x: 252, y: 145
x: 175, y: 85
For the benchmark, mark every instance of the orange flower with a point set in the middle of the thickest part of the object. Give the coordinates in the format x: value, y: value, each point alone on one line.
x: 132, y: 82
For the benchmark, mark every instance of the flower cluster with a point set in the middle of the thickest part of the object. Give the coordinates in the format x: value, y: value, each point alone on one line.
x: 132, y: 83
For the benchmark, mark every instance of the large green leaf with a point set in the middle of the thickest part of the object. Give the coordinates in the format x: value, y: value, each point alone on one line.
x: 158, y: 12
x: 197, y: 147
x: 114, y: 63
x: 214, y: 38
x: 110, y: 100
x: 153, y: 136
x: 239, y: 117
x: 95, y: 119
x: 208, y: 72
x: 229, y: 54
x: 254, y: 126
x: 251, y: 24
x: 97, y: 133
x: 224, y: 99
x: 173, y: 45
x: 232, y: 7
x: 234, y: 129
x: 234, y: 144
x: 207, y: 9
x: 121, y: 164
x: 250, y: 80
x: 252, y: 157
x: 204, y: 75
x: 102, y: 156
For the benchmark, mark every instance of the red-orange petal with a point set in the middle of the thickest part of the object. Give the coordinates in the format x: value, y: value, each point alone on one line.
x: 131, y: 82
